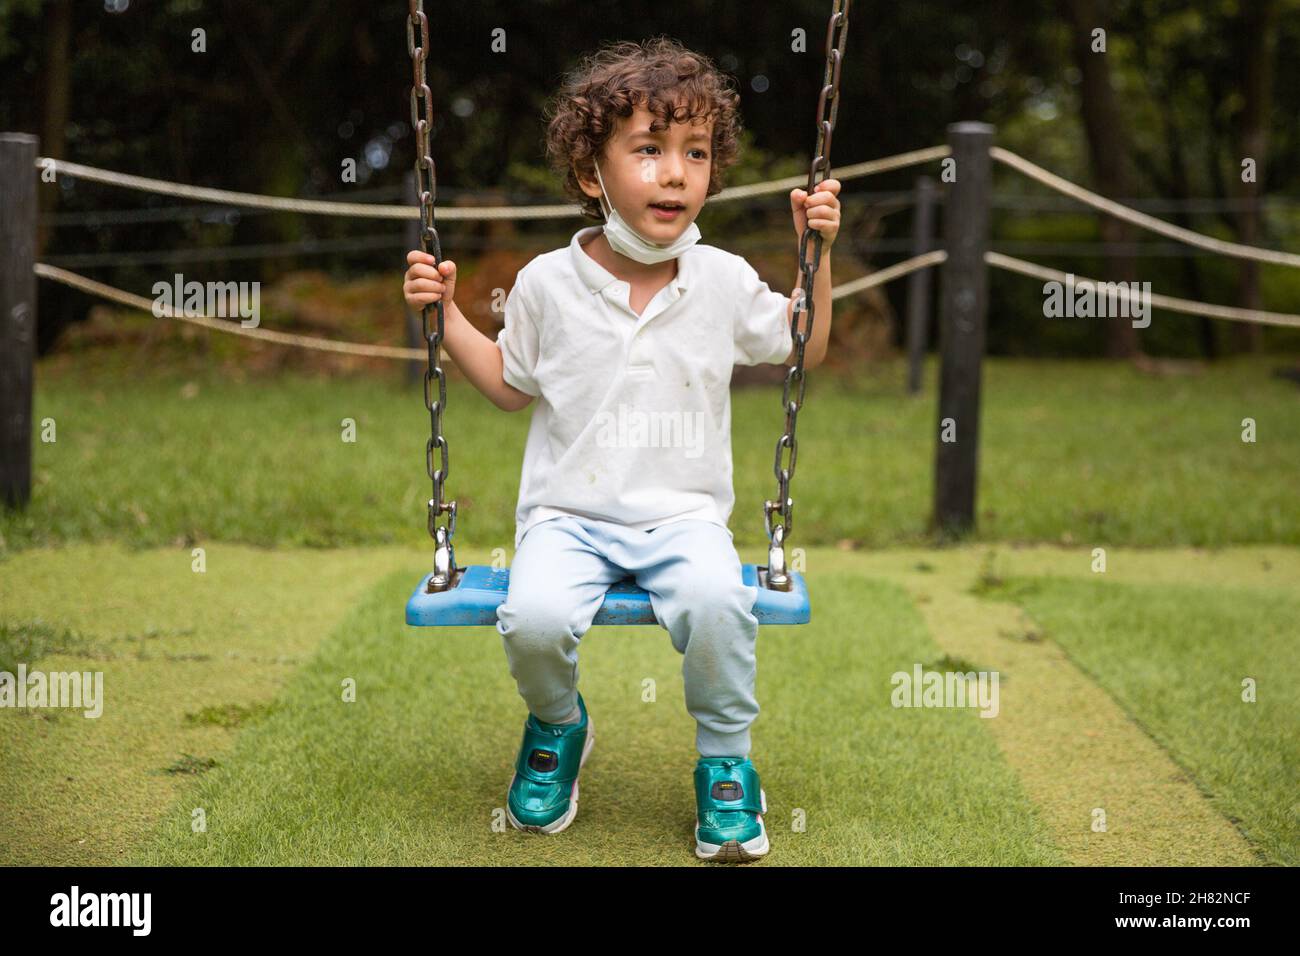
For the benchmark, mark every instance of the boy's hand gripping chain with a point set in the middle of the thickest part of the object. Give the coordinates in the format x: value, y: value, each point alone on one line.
x: 426, y: 184
x: 778, y: 578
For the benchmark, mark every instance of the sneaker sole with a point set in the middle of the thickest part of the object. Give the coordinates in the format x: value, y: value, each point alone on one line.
x: 733, y: 851
x: 563, y: 822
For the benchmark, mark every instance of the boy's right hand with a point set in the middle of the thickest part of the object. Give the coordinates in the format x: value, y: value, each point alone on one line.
x: 425, y: 284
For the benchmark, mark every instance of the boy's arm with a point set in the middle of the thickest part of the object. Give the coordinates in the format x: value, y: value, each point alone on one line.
x: 473, y: 352
x: 480, y: 359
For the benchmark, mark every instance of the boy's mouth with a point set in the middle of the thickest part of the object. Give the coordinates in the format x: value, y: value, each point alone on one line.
x: 667, y: 210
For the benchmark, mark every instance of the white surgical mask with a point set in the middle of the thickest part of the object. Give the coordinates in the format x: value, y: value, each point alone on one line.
x: 624, y: 239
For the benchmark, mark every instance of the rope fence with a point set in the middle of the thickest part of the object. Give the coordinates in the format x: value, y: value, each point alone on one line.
x: 564, y: 211
x: 858, y: 170
x: 888, y: 274
x: 121, y: 297
x: 1186, y: 306
x: 1119, y: 211
x: 331, y: 207
x: 220, y: 325
x: 370, y: 243
x: 894, y: 199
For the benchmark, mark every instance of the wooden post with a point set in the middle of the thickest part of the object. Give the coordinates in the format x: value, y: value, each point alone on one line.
x: 963, y: 317
x: 18, y: 175
x: 414, y: 324
x: 918, y: 283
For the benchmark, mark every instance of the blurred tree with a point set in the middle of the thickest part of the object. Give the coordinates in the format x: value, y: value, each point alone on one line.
x: 1108, y: 145
x: 1256, y: 37
x: 54, y: 103
x: 1169, y: 57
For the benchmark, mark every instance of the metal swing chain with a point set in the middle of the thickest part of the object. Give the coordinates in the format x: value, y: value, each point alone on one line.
x: 778, y: 578
x: 426, y: 185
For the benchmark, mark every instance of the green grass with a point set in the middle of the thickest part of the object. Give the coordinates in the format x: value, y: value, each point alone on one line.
x: 1175, y: 658
x: 415, y: 770
x: 223, y: 692
x: 1070, y: 451
x: 188, y: 661
x: 228, y: 715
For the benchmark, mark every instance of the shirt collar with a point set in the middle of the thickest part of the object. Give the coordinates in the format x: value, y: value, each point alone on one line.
x: 597, y: 276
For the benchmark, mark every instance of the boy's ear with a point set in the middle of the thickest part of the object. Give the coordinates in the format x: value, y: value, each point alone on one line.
x: 587, y: 183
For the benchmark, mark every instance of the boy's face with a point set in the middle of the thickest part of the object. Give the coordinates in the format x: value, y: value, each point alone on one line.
x: 641, y: 168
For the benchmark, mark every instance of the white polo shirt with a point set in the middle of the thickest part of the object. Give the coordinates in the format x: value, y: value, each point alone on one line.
x: 633, y: 415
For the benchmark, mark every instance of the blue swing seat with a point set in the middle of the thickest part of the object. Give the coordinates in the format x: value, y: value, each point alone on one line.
x: 481, y: 589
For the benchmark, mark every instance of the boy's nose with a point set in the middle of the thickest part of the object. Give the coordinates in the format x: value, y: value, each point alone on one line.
x: 671, y: 171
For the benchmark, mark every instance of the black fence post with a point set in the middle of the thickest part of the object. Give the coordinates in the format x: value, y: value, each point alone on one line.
x: 918, y: 283
x: 17, y: 314
x: 963, y: 319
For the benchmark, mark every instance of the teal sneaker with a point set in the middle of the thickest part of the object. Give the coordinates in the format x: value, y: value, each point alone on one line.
x: 729, y: 808
x: 543, y: 794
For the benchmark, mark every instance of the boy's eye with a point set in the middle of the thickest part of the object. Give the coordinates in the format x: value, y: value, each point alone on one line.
x: 703, y: 154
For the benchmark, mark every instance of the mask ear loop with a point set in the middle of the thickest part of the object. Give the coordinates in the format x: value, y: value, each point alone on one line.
x: 605, y: 198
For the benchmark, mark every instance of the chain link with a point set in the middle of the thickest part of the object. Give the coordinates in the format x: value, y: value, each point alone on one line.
x: 426, y: 186
x: 778, y: 532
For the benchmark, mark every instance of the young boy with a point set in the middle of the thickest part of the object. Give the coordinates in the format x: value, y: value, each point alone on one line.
x: 634, y: 325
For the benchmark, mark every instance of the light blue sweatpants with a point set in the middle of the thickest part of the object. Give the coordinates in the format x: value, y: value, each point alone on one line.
x: 690, y: 570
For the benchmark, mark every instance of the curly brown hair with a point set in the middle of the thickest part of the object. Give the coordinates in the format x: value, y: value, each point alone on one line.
x: 675, y: 84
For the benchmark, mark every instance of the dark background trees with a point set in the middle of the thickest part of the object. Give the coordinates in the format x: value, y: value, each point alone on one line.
x: 285, y: 92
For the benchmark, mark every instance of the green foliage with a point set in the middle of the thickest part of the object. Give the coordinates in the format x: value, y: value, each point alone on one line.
x: 12, y: 13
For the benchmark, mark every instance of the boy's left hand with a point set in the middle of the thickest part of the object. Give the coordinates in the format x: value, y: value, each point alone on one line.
x: 821, y: 210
